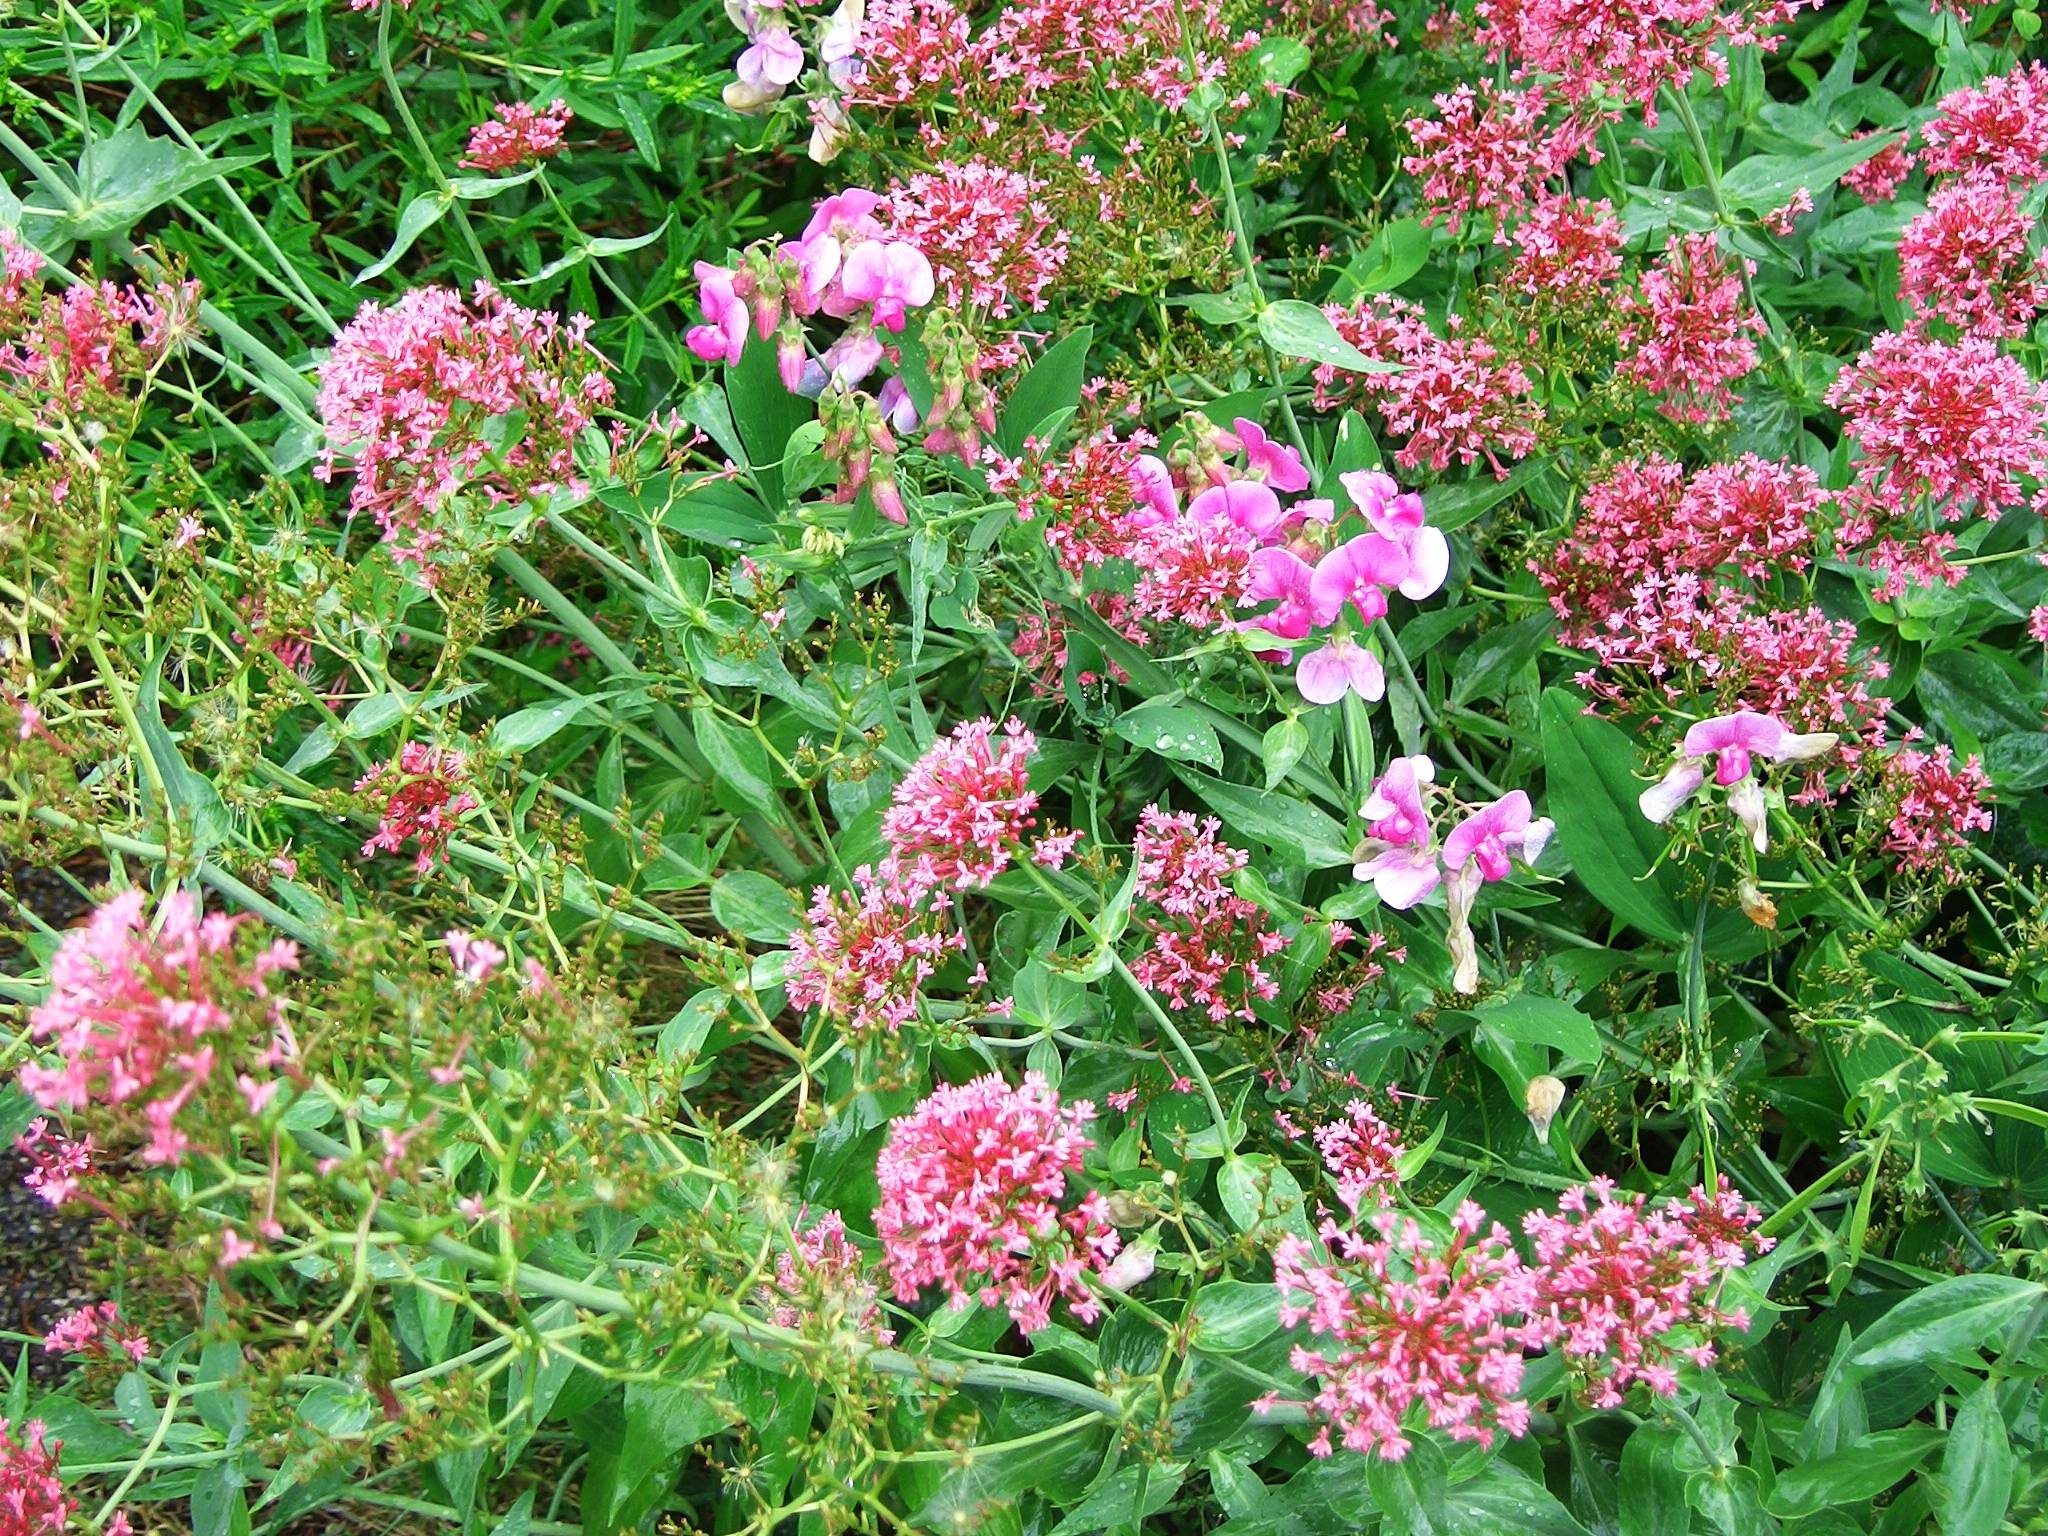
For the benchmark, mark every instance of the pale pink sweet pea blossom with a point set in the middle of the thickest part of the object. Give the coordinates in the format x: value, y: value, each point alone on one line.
x: 1153, y: 483
x: 1339, y: 667
x: 1480, y: 849
x: 892, y: 277
x: 1398, y: 854
x: 1249, y: 505
x: 1729, y: 745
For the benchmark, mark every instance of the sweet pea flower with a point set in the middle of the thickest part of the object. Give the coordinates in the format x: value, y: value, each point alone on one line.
x: 891, y: 276
x: 1398, y: 854
x: 1247, y: 504
x: 724, y: 333
x: 1730, y: 745
x: 1274, y: 463
x: 847, y: 217
x: 1153, y: 483
x: 773, y: 61
x: 1480, y: 849
x: 1282, y: 577
x: 1342, y: 666
x: 1397, y: 516
x: 1358, y: 572
x: 897, y: 408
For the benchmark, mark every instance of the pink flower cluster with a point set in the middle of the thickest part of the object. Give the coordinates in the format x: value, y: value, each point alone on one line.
x: 140, y: 1017
x: 1207, y: 947
x: 1624, y: 1289
x: 1411, y: 1325
x: 862, y: 958
x: 32, y: 1497
x: 966, y: 807
x: 1400, y: 855
x: 974, y: 1200
x: 1931, y: 804
x: 1597, y: 51
x: 1689, y: 333
x: 987, y: 232
x: 1567, y: 252
x: 58, y: 1165
x: 83, y: 346
x: 1645, y: 518
x: 1491, y: 151
x: 821, y: 1282
x: 1998, y: 129
x: 425, y: 799
x: 1455, y: 398
x: 1362, y: 1154
x: 1966, y: 260
x: 1878, y: 179
x: 1419, y: 1331
x: 517, y: 135
x: 410, y: 394
x: 97, y: 1330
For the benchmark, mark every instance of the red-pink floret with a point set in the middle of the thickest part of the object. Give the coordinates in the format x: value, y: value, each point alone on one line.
x: 32, y: 1497
x: 1208, y: 945
x: 1966, y: 260
x: 1934, y: 803
x: 965, y: 807
x: 518, y: 135
x: 425, y: 800
x: 1690, y: 333
x: 862, y: 957
x: 97, y: 1330
x: 1999, y: 128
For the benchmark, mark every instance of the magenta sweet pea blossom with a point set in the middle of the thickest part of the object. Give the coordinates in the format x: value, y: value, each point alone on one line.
x: 1728, y: 746
x: 890, y: 276
x: 1358, y: 572
x: 1282, y: 577
x: 1398, y: 854
x: 724, y: 333
x: 1249, y: 505
x: 1398, y: 518
x: 1275, y: 463
x: 1342, y: 666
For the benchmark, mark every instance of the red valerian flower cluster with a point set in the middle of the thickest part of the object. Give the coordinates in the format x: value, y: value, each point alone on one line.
x: 32, y: 1497
x: 141, y: 1017
x: 82, y: 347
x: 1208, y: 945
x: 415, y: 395
x: 862, y: 957
x: 975, y: 1201
x: 425, y: 798
x: 518, y: 134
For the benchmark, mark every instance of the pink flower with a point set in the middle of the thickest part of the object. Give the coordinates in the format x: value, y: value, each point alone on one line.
x: 425, y: 806
x: 97, y: 1330
x: 891, y: 276
x: 1966, y: 260
x: 1477, y: 851
x: 1998, y: 129
x: 32, y: 1497
x: 1356, y: 574
x: 1363, y: 1155
x: 1567, y: 252
x: 821, y: 1284
x: 58, y: 1166
x: 520, y: 134
x: 1208, y: 946
x: 1274, y: 463
x: 724, y: 332
x: 1877, y: 179
x: 1931, y: 804
x: 861, y: 959
x: 1689, y: 334
x: 1730, y: 743
x: 1781, y: 219
x: 1490, y: 150
x: 1413, y: 1331
x: 1626, y: 1290
x: 1399, y: 853
x: 1247, y: 505
x: 991, y: 239
x: 1398, y: 518
x: 974, y: 1199
x: 1339, y: 667
x: 140, y: 1017
x: 476, y: 960
x: 1282, y: 577
x: 964, y: 807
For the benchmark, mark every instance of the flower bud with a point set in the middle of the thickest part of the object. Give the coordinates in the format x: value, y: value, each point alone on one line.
x: 1131, y: 1267
x: 1756, y: 906
x: 1541, y: 1101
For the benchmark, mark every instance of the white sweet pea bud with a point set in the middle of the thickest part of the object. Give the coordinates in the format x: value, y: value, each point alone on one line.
x: 1660, y: 802
x: 1746, y: 800
x: 1801, y: 749
x: 1535, y: 838
x: 1131, y: 1267
x: 749, y: 99
x: 1541, y: 1101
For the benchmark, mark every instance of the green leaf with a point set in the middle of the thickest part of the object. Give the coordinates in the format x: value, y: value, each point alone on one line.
x: 1281, y: 822
x: 1178, y: 731
x: 1233, y: 1315
x: 1281, y: 748
x: 128, y: 175
x: 1976, y: 1468
x: 1297, y: 329
x: 1764, y: 182
x: 1413, y: 1491
x: 414, y: 220
x: 1049, y: 386
x: 749, y: 903
x: 518, y: 1519
x: 1258, y: 1189
x: 194, y: 800
x: 766, y: 416
x: 1850, y: 1476
x: 527, y: 728
x: 1652, y: 1486
x: 738, y: 760
x: 1397, y: 253
x: 663, y: 1419
x: 1536, y: 1020
x: 1593, y: 790
x: 1949, y: 1321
